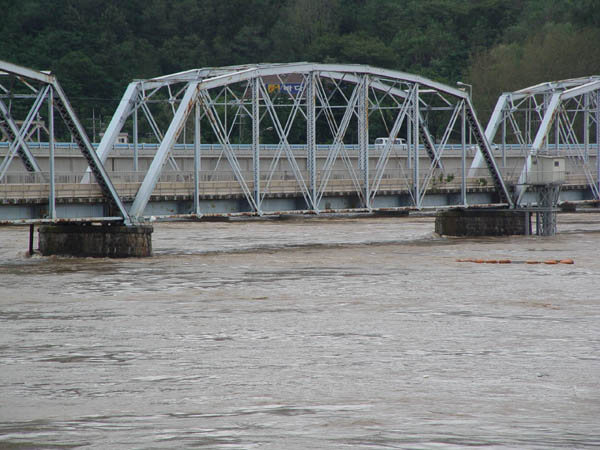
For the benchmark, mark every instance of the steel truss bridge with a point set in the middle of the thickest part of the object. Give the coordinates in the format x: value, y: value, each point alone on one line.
x: 299, y: 130
x: 559, y: 118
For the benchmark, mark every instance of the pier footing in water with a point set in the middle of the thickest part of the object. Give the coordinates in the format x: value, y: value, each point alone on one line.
x: 113, y: 241
x: 481, y: 222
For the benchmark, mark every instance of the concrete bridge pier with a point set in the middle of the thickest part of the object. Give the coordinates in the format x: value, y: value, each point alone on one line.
x: 482, y: 222
x: 96, y: 240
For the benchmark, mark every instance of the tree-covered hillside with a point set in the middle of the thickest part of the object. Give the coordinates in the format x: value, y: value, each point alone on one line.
x: 97, y: 47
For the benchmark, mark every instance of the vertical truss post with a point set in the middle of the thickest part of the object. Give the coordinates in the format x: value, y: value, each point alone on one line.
x: 415, y: 128
x: 256, y: 140
x: 52, y: 194
x: 135, y: 142
x: 528, y: 122
x: 311, y: 139
x: 586, y: 127
x: 409, y: 153
x: 463, y: 165
x: 598, y: 139
x: 196, y: 158
x: 363, y: 137
x: 504, y: 141
x: 556, y: 136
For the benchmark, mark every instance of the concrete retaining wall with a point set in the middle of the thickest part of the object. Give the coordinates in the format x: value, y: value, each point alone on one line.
x: 481, y: 222
x: 113, y: 241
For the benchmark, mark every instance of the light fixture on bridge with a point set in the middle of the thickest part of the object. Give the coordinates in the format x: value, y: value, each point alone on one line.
x: 467, y: 85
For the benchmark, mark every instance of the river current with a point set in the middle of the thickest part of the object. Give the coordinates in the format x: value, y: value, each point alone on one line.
x: 304, y: 334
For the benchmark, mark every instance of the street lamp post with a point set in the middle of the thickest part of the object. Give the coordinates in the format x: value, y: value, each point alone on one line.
x: 470, y: 87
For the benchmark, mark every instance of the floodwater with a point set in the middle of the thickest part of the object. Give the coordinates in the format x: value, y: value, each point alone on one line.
x: 314, y: 334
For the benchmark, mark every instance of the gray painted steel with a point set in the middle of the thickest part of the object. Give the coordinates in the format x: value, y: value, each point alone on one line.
x: 546, y: 111
x: 328, y: 100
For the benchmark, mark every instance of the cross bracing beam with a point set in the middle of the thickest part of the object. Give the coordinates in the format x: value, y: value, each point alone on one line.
x: 390, y: 90
x: 151, y: 178
x: 16, y: 136
x: 338, y: 131
x: 283, y: 134
x: 223, y: 138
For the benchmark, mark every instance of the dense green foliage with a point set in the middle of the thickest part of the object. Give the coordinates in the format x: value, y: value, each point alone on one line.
x: 97, y: 47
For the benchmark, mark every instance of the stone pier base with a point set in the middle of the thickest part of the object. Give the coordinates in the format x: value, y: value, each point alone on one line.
x: 113, y: 241
x: 481, y: 222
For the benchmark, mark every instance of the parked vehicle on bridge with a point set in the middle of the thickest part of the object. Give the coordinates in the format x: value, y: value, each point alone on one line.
x: 475, y: 148
x: 399, y: 143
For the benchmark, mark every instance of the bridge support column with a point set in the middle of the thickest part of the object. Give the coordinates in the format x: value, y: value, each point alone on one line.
x: 481, y: 222
x: 112, y: 241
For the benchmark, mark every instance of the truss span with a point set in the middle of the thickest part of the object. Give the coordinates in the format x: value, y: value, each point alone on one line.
x: 23, y: 92
x: 558, y: 118
x: 345, y: 107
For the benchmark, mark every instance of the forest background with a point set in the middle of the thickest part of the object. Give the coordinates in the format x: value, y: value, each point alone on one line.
x: 97, y: 47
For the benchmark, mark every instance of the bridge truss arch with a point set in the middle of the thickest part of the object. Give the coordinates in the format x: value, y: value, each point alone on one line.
x: 558, y: 118
x: 304, y: 123
x: 23, y: 93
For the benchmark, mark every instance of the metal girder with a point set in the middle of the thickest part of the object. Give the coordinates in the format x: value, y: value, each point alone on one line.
x: 415, y: 128
x: 197, y: 159
x: 311, y: 138
x: 256, y: 141
x: 85, y: 146
x: 10, y: 68
x: 553, y: 86
x: 143, y: 195
x: 581, y: 90
x: 52, y: 196
x: 488, y: 157
x: 215, y: 77
x: 496, y: 119
x: 363, y: 138
x: 126, y: 106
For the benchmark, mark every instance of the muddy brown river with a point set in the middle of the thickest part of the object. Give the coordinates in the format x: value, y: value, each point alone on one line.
x: 304, y: 334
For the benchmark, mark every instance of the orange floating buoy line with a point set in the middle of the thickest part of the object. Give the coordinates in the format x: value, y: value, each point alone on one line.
x: 508, y: 261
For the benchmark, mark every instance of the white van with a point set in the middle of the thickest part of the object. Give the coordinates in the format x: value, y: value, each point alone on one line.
x: 399, y: 144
